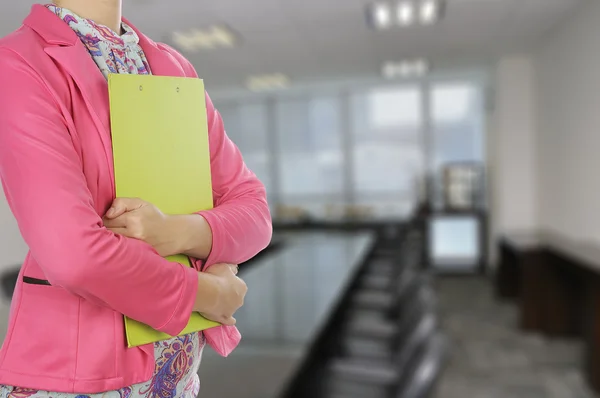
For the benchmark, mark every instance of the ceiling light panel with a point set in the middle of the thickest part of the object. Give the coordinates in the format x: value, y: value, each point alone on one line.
x: 430, y: 11
x: 380, y: 15
x: 270, y: 82
x: 405, y: 69
x: 211, y: 38
x: 405, y: 13
x: 383, y: 15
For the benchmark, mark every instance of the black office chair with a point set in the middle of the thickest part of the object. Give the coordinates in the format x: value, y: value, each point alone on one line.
x: 376, y: 281
x: 390, y: 243
x: 381, y: 377
x: 387, y: 306
x: 388, y: 238
x: 9, y: 281
x: 383, y: 266
x: 426, y: 371
x: 377, y: 337
x: 382, y: 273
x: 382, y: 322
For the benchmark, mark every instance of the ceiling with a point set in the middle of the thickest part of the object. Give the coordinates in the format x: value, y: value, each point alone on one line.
x: 325, y: 39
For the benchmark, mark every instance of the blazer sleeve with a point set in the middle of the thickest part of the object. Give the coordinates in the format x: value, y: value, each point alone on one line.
x: 43, y: 179
x: 240, y: 221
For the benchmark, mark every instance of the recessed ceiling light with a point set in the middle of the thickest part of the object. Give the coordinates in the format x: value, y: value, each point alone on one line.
x: 388, y: 70
x: 218, y: 36
x: 275, y: 81
x: 386, y: 14
x: 405, y: 13
x: 405, y: 69
x: 430, y: 11
x: 383, y: 15
x: 380, y: 15
x: 421, y: 67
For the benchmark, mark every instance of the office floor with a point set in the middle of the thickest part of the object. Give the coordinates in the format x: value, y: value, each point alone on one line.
x: 490, y: 358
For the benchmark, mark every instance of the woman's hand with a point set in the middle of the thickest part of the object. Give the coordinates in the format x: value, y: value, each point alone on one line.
x: 220, y: 293
x: 138, y: 219
x: 168, y: 234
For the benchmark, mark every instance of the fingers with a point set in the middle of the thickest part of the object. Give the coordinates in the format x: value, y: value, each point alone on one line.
x: 121, y: 231
x: 234, y: 268
x: 228, y: 322
x: 121, y: 206
x: 117, y: 222
x: 223, y: 267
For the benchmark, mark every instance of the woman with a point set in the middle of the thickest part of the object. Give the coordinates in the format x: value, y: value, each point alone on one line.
x: 92, y: 257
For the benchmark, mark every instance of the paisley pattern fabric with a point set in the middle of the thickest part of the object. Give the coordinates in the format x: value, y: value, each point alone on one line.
x: 177, y: 359
x: 112, y: 52
x: 175, y: 375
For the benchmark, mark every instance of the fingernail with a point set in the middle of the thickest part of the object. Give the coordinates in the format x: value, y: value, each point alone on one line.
x: 110, y: 211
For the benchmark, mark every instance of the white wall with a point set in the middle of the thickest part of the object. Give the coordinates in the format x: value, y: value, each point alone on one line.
x: 513, y: 147
x: 12, y: 247
x: 568, y: 99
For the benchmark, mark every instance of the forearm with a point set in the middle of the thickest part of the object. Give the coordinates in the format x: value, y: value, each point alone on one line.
x: 241, y: 228
x: 190, y: 235
x: 232, y: 232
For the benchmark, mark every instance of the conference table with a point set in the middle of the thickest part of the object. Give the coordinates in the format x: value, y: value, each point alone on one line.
x: 293, y: 294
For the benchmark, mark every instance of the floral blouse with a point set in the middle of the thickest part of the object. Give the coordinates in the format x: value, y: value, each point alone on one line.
x: 113, y: 53
x: 178, y: 359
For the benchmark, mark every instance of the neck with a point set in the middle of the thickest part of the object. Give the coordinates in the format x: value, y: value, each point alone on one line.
x: 103, y: 12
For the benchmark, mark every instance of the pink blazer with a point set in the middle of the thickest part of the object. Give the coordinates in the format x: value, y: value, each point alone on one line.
x: 57, y: 173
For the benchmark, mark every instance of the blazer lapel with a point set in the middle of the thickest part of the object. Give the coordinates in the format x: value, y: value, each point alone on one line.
x: 76, y: 61
x: 93, y: 87
x: 63, y: 45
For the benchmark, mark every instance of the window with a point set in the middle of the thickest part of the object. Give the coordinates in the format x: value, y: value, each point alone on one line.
x: 387, y: 149
x: 457, y: 128
x: 451, y: 103
x: 393, y: 108
x: 310, y: 152
x: 375, y: 158
x: 247, y: 126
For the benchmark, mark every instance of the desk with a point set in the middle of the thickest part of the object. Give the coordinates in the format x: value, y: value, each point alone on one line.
x: 512, y: 248
x: 292, y: 294
x: 556, y: 283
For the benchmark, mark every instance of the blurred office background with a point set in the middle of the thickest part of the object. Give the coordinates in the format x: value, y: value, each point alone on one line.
x: 430, y: 169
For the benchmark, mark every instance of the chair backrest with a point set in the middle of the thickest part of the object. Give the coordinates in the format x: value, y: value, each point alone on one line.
x: 414, y: 319
x: 410, y: 251
x: 421, y: 380
x: 410, y: 286
x: 409, y: 343
x: 407, y: 254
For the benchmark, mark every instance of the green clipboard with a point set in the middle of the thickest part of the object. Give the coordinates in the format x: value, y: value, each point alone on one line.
x: 161, y: 155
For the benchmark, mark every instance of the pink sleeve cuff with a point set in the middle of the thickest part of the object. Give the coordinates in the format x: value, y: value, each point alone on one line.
x: 216, y: 252
x: 181, y: 316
